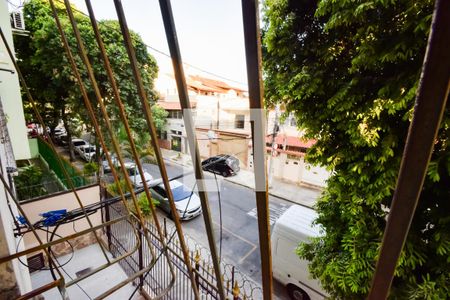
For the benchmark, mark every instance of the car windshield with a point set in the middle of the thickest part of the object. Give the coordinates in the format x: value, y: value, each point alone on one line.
x: 89, y: 149
x: 180, y: 193
x: 132, y: 171
x: 79, y: 143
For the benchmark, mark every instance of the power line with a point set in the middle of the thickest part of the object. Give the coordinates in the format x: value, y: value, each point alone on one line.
x: 166, y: 54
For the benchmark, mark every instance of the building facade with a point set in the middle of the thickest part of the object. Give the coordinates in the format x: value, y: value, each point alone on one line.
x: 222, y: 120
x: 14, y: 277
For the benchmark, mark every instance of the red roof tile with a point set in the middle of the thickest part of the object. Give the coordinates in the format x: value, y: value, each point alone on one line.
x: 172, y: 105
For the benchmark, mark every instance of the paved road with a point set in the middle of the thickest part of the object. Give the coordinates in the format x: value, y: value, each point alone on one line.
x: 240, y: 244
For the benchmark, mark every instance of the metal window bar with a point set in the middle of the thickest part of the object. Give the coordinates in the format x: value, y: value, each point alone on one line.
x: 171, y: 36
x: 250, y: 14
x: 153, y: 136
x: 92, y: 79
x: 41, y: 122
x: 59, y: 282
x: 433, y: 92
x: 91, y: 229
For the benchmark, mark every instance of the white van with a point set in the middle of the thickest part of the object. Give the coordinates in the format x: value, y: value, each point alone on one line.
x: 293, y: 227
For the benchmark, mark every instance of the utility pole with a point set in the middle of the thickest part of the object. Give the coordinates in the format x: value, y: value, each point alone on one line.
x: 275, y: 130
x: 218, y: 112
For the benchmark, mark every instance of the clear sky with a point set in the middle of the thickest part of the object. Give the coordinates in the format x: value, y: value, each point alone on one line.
x: 210, y: 32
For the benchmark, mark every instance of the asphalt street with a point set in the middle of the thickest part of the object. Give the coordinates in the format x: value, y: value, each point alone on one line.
x: 237, y: 207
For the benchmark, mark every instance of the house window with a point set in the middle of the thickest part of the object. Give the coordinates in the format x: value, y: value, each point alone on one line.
x: 163, y: 135
x: 239, y: 121
x: 175, y: 114
x: 297, y: 149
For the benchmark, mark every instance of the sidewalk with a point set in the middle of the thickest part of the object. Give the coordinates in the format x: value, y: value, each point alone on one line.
x: 298, y: 194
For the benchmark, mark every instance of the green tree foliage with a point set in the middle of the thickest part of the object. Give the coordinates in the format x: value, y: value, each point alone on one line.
x: 142, y: 139
x: 144, y: 204
x: 349, y: 71
x: 29, y: 182
x: 90, y: 168
x: 50, y: 77
x: 142, y: 199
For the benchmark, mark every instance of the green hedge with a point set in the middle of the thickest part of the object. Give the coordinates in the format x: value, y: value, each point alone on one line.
x: 51, y: 158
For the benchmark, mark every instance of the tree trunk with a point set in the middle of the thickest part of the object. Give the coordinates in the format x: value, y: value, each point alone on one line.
x: 69, y: 134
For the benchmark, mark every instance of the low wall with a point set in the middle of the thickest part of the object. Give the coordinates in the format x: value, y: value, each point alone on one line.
x: 64, y: 200
x: 34, y: 148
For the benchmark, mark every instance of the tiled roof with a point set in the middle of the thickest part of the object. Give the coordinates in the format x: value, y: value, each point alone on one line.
x: 215, y: 84
x: 169, y: 105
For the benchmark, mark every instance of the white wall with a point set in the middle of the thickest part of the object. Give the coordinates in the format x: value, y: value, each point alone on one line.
x: 12, y: 105
x: 298, y: 171
x: 67, y: 201
x: 10, y: 92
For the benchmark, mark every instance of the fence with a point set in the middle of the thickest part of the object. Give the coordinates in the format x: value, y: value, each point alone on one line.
x: 47, y: 188
x: 52, y: 160
x: 121, y: 238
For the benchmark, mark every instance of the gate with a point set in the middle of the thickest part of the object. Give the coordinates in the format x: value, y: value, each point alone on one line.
x: 121, y: 238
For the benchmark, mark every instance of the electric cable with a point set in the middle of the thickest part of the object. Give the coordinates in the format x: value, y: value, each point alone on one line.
x: 57, y: 261
x: 162, y: 52
x: 43, y: 268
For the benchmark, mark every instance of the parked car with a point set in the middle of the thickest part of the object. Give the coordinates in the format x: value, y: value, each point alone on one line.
x: 186, y: 200
x: 76, y: 142
x: 295, y: 226
x: 132, y: 170
x: 223, y: 164
x: 59, y: 131
x: 86, y: 152
x: 62, y: 139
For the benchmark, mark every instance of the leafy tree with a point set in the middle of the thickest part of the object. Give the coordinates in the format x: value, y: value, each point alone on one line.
x: 29, y: 182
x: 144, y: 204
x: 50, y: 77
x: 90, y: 168
x: 142, y: 199
x: 349, y: 71
x: 159, y: 117
x: 142, y: 140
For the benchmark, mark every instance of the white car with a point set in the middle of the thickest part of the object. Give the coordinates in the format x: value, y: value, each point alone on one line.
x: 132, y: 170
x: 76, y: 142
x: 186, y: 200
x: 135, y: 176
x: 86, y: 152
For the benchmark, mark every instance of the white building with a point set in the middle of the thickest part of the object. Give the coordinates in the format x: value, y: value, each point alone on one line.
x: 14, y: 277
x: 215, y: 106
x: 222, y: 119
x: 10, y: 91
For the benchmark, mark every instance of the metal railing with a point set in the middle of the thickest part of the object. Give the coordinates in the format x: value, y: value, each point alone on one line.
x: 49, y: 188
x: 121, y: 237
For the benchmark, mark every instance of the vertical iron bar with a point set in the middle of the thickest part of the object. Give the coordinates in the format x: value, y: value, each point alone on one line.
x: 140, y: 255
x: 154, y: 137
x: 98, y: 132
x: 123, y: 116
x: 430, y: 104
x: 250, y: 14
x: 172, y: 40
x: 165, y: 227
x: 108, y: 227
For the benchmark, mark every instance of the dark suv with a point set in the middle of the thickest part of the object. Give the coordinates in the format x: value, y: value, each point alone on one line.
x: 223, y: 164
